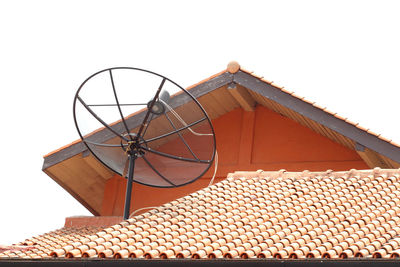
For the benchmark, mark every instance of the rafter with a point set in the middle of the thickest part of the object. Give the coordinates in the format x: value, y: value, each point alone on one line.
x: 242, y: 96
x: 369, y: 157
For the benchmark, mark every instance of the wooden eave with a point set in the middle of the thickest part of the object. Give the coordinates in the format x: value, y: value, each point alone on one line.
x: 219, y: 95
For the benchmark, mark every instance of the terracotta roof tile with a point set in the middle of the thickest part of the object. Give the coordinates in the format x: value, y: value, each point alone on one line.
x: 44, y: 245
x: 249, y: 215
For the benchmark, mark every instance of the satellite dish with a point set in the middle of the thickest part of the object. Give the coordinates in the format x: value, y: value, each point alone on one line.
x: 145, y: 127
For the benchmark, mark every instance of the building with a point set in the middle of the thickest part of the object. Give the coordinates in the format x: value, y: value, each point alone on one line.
x: 329, y: 189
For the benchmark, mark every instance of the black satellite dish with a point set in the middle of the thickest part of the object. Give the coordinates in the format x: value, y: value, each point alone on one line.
x: 145, y: 127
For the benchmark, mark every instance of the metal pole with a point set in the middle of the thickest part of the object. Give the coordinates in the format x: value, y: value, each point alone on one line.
x: 128, y: 194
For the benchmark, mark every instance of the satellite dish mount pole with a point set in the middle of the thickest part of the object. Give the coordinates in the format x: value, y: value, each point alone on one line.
x: 134, y: 150
x: 128, y: 194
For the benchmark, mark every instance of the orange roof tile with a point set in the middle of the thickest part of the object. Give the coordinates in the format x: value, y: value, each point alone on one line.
x: 253, y: 215
x: 42, y: 245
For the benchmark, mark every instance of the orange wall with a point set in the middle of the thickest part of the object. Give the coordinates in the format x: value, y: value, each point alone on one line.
x: 247, y: 141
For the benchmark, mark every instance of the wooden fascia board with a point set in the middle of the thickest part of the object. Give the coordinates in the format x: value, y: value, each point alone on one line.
x: 212, y: 84
x: 103, y: 135
x: 63, y: 154
x: 317, y: 115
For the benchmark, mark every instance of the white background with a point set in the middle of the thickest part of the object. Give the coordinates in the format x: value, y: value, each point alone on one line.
x: 342, y: 54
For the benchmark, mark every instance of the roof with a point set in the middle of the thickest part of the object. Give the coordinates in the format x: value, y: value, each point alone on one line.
x: 253, y: 215
x: 219, y: 94
x: 43, y: 245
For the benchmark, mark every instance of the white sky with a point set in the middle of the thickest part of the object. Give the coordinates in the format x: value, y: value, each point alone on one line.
x: 342, y: 54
